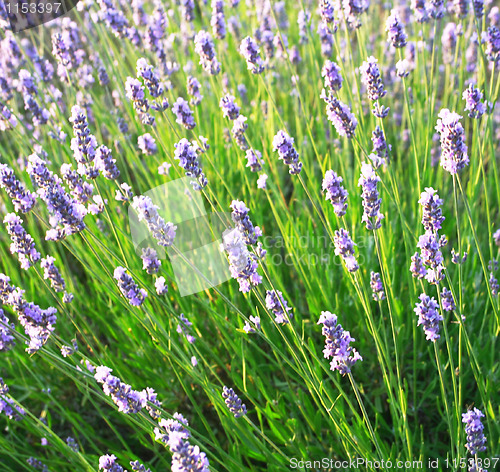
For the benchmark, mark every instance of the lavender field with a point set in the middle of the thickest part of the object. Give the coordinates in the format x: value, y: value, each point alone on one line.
x: 250, y: 236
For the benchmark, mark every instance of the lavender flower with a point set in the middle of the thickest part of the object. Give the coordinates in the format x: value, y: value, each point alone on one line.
x: 150, y: 77
x: 254, y: 160
x: 478, y: 6
x: 474, y: 429
x: 150, y: 262
x: 242, y: 222
x: 229, y: 107
x: 339, y: 115
x: 238, y: 132
x: 160, y: 286
x: 496, y: 237
x: 138, y: 467
x: 448, y: 42
x: 461, y: 8
x: 250, y: 51
x: 81, y: 191
x: 183, y: 113
x: 147, y: 144
x: 262, y: 181
x: 22, y: 243
x: 183, y: 327
x: 420, y: 10
x: 473, y: 103
x: 332, y: 75
x: 186, y: 154
x: 218, y: 20
x: 37, y: 464
x: 83, y: 144
x: 135, y: 93
x: 108, y: 464
x: 304, y: 22
x: 491, y: 37
x: 185, y: 456
x: 371, y: 201
x: 432, y: 216
x: 105, y: 163
x: 51, y: 272
x: 283, y: 143
x: 494, y: 285
x: 377, y: 287
x: 447, y: 300
x: 164, y: 233
x: 417, y: 268
x: 7, y: 406
x: 344, y: 247
x: 395, y: 30
x: 370, y: 76
x: 6, y: 339
x: 128, y: 287
x: 326, y: 38
x: 193, y: 89
x: 278, y: 306
x: 453, y: 148
x: 337, y: 344
x: 327, y: 12
x: 22, y: 198
x: 233, y: 402
x: 335, y: 192
x: 432, y: 258
x: 428, y: 316
x: 255, y: 320
x: 204, y: 47
x: 242, y: 265
x: 380, y: 146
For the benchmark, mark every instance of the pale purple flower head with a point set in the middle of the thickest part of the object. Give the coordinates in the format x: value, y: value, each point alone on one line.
x: 204, y: 47
x: 108, y: 464
x: 332, y: 76
x: 370, y: 76
x: 473, y: 103
x: 254, y: 160
x: 128, y: 287
x: 150, y: 77
x: 395, y: 30
x: 150, y: 262
x: 278, y: 306
x: 335, y: 192
x: 377, y: 287
x: 147, y: 144
x: 262, y: 181
x: 337, y: 344
x: 105, y: 163
x: 417, y: 267
x: 229, y: 107
x: 160, y: 286
x: 184, y: 114
x: 193, y: 89
x: 218, y: 20
x: 474, y: 429
x: 491, y: 37
x: 447, y: 300
x: 283, y: 143
x: 344, y: 247
x: 496, y: 237
x: 432, y: 216
x: 238, y: 132
x: 370, y: 197
x: 233, y: 402
x: 250, y: 51
x: 453, y: 148
x: 22, y: 243
x: 188, y: 159
x: 22, y: 198
x: 339, y: 115
x: 432, y: 258
x: 428, y: 316
x: 7, y: 341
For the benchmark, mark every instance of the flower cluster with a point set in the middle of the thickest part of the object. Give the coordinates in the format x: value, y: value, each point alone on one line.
x: 432, y: 215
x: 188, y: 159
x: 395, y: 30
x: 474, y: 429
x: 193, y: 89
x: 83, y: 144
x: 22, y: 243
x: 7, y: 406
x: 204, y: 47
x: 254, y: 160
x: 135, y: 93
x: 377, y: 287
x: 128, y: 287
x: 147, y: 144
x: 428, y: 316
x: 184, y: 114
x: 344, y: 247
x: 432, y: 258
x: 38, y: 324
x: 105, y: 163
x: 339, y: 115
x: 174, y: 434
x: 163, y: 232
x: 22, y: 198
x: 371, y: 200
x: 233, y: 402
x: 218, y: 20
x: 278, y: 306
x: 337, y: 344
x: 473, y: 103
x: 332, y: 76
x: 150, y: 262
x: 6, y: 328
x: 335, y: 192
x: 250, y: 51
x: 453, y: 148
x: 283, y: 143
x: 124, y: 396
x: 229, y: 107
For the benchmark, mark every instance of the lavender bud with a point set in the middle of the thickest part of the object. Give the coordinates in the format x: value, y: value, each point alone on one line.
x: 417, y: 268
x: 51, y: 272
x: 186, y: 154
x: 22, y: 243
x: 474, y: 430
x: 377, y: 287
x: 344, y: 247
x: 233, y: 402
x: 339, y: 115
x: 337, y: 344
x: 7, y: 341
x: 447, y: 300
x: 432, y: 217
x: 332, y: 75
x: 432, y: 258
x: 229, y: 107
x: 164, y: 233
x: 238, y: 132
x: 335, y: 192
x: 150, y: 77
x: 250, y: 51
x: 160, y: 286
x: 128, y: 287
x: 147, y: 144
x: 453, y: 148
x: 254, y: 160
x: 218, y: 20
x: 22, y: 198
x: 370, y: 76
x: 193, y: 89
x: 204, y: 47
x: 183, y: 113
x: 105, y: 163
x: 428, y: 316
x: 473, y: 103
x: 395, y: 30
x: 370, y: 195
x: 283, y: 143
